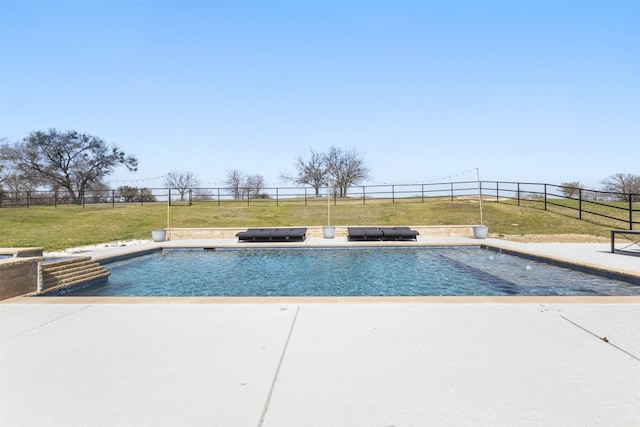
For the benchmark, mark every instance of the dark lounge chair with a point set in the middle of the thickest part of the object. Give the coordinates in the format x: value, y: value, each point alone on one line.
x: 381, y: 233
x: 364, y: 233
x: 272, y: 235
x: 398, y: 233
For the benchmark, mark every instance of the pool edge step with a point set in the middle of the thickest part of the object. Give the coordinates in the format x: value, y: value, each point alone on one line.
x: 67, y: 273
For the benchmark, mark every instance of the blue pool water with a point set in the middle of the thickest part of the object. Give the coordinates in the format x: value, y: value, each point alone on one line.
x: 346, y: 272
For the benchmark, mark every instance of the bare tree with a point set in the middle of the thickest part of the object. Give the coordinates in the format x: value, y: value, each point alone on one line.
x: 181, y: 181
x: 571, y: 189
x: 242, y: 185
x: 254, y: 185
x: 625, y: 186
x: 343, y: 168
x: 234, y: 181
x: 66, y: 160
x: 14, y: 185
x: 3, y: 176
x: 312, y: 171
x: 346, y: 168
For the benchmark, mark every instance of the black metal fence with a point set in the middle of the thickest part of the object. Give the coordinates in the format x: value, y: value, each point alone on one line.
x: 614, y: 209
x: 620, y: 210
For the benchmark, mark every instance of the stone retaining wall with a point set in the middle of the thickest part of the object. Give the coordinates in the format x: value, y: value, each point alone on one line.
x: 316, y: 231
x: 19, y: 276
x: 21, y: 252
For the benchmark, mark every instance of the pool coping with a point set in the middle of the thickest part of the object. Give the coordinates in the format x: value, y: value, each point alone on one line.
x: 403, y: 300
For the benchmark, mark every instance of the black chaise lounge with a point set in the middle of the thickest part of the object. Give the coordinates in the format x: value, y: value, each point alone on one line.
x: 381, y: 233
x: 272, y: 235
x: 398, y: 233
x: 364, y: 233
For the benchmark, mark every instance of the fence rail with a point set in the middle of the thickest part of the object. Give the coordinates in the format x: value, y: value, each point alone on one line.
x: 608, y: 208
x: 614, y: 209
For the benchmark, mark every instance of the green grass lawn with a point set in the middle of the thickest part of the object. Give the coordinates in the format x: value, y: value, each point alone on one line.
x: 69, y: 226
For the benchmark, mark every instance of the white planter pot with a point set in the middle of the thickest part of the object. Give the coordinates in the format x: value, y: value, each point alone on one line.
x: 480, y: 231
x: 328, y: 232
x: 159, y: 235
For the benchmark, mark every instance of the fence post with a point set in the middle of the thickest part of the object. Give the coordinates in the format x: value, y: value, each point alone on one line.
x: 55, y: 199
x: 190, y: 196
x: 363, y: 196
x: 141, y: 197
x: 518, y: 194
x: 218, y: 196
x: 422, y: 191
x: 28, y: 197
x: 277, y: 201
x: 630, y: 211
x: 169, y: 196
x: 305, y: 196
x: 545, y: 197
x: 248, y: 196
x: 451, y: 185
x: 579, y: 203
x: 393, y: 194
x: 497, y: 191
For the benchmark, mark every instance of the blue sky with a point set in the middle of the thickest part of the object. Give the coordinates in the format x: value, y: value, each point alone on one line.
x: 531, y: 91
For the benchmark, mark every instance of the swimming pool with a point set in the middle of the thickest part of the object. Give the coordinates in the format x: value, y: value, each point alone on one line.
x: 397, y: 271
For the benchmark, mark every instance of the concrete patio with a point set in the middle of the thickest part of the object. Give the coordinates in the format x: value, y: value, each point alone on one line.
x: 499, y: 361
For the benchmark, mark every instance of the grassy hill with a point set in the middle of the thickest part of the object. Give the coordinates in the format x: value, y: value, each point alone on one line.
x: 69, y: 226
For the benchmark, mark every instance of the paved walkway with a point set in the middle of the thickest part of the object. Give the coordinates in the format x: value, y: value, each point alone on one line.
x: 295, y: 362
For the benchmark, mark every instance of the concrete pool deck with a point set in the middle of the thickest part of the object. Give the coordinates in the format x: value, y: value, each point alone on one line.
x: 325, y: 362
